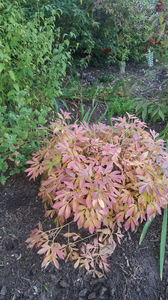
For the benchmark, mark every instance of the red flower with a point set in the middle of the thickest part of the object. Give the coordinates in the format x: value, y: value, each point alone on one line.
x: 146, y: 49
x: 120, y: 37
x: 106, y: 51
x: 160, y: 6
x: 152, y: 42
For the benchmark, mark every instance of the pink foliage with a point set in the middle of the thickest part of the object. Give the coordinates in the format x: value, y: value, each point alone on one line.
x: 102, y: 175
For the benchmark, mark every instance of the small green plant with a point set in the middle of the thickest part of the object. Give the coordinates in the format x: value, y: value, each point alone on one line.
x: 164, y: 136
x: 117, y: 100
x: 151, y: 110
x: 96, y: 178
x: 106, y: 78
x: 119, y: 106
x: 74, y: 90
x: 86, y: 116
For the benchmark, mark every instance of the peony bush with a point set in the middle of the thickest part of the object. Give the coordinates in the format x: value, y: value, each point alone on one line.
x: 100, y: 178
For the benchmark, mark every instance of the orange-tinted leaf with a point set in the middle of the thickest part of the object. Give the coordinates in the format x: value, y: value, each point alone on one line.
x: 67, y: 211
x: 101, y: 203
x: 77, y: 263
x: 69, y: 234
x: 56, y: 263
x: 46, y: 261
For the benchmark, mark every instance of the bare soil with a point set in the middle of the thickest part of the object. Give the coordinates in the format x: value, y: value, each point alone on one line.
x: 134, y: 271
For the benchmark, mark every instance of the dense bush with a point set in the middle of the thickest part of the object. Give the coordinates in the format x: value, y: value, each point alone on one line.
x: 32, y: 58
x: 19, y: 137
x: 160, y: 29
x: 123, y: 27
x: 99, y: 177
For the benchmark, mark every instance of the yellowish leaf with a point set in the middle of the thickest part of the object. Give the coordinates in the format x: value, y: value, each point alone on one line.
x: 46, y: 261
x: 108, y: 249
x: 77, y: 263
x: 69, y: 234
x: 101, y: 202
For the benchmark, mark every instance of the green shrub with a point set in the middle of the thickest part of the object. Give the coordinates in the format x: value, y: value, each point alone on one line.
x: 123, y: 26
x: 19, y: 137
x: 33, y: 59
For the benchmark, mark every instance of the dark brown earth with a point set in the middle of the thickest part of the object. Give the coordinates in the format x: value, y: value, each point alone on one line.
x: 134, y: 269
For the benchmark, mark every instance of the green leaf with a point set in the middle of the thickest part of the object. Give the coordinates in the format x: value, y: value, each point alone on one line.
x: 86, y: 116
x: 24, y: 135
x: 91, y: 113
x: 12, y: 172
x: 16, y: 86
x: 4, y: 167
x: 12, y: 75
x: 102, y: 116
x: 165, y: 42
x: 161, y: 114
x: 163, y: 242
x: 144, y: 113
x: 67, y: 42
x: 162, y: 31
x: 3, y: 179
x: 82, y: 111
x: 11, y: 93
x: 155, y: 112
x: 145, y: 230
x: 2, y: 66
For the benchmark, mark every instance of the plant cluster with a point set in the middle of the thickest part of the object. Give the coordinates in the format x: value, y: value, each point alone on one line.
x: 119, y: 106
x: 99, y: 178
x: 19, y: 137
x: 122, y: 28
x: 159, y: 6
x: 106, y: 78
x: 33, y: 58
x: 151, y: 110
x: 157, y: 35
x: 164, y: 136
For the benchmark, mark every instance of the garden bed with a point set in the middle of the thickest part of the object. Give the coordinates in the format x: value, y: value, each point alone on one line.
x: 43, y: 68
x: 134, y: 269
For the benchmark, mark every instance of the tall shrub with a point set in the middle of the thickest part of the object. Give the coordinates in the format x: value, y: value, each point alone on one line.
x: 32, y: 58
